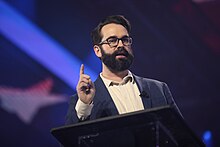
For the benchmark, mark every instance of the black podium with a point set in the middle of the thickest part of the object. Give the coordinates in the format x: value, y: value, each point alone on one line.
x: 156, y: 127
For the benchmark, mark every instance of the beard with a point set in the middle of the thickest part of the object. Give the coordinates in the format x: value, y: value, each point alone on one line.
x: 120, y: 64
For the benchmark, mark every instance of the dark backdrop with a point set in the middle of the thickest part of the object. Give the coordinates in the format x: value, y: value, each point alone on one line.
x: 175, y: 41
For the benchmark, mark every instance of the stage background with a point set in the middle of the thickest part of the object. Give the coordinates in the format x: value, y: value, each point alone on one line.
x: 43, y: 43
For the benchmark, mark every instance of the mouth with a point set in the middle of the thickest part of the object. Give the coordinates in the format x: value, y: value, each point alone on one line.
x: 121, y: 55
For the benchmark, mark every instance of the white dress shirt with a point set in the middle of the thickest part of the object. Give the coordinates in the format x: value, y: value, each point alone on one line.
x: 125, y: 95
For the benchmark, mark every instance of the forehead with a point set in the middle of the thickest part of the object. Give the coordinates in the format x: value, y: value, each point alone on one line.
x: 113, y: 30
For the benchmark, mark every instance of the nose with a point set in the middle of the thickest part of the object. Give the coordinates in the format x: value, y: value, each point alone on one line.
x: 120, y: 43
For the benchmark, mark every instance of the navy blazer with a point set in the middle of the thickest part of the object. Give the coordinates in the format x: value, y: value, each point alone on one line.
x: 153, y: 93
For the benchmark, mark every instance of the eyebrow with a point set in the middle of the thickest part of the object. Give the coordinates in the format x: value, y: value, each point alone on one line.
x: 116, y: 37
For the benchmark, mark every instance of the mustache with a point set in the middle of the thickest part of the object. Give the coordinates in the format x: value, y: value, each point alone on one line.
x: 121, y: 51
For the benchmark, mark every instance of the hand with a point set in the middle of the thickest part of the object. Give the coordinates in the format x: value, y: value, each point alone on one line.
x: 85, y: 87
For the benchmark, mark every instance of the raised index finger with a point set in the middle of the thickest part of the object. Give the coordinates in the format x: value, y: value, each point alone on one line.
x: 81, y: 69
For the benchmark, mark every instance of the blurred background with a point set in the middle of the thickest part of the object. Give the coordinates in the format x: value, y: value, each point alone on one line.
x: 43, y: 43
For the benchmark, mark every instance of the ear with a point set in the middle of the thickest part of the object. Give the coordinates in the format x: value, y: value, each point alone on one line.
x: 97, y: 51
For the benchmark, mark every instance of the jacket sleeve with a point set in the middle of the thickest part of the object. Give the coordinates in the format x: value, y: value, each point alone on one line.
x: 169, y: 98
x: 71, y: 116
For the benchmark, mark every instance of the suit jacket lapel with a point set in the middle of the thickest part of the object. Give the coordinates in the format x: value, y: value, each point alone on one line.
x: 103, y: 99
x: 144, y: 91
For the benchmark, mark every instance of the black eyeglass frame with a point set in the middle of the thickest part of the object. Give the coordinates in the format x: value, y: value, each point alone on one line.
x: 118, y: 39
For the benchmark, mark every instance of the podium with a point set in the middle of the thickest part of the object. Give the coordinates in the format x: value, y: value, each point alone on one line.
x: 156, y: 127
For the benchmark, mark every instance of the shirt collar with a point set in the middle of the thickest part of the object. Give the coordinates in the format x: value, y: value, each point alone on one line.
x: 128, y: 78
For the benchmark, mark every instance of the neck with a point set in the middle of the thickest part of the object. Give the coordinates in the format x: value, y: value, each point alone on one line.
x: 112, y: 75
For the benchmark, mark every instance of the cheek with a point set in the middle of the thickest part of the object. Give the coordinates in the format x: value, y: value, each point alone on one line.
x: 129, y: 49
x: 107, y: 50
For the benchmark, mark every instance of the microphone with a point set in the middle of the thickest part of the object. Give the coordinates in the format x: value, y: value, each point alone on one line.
x: 144, y: 94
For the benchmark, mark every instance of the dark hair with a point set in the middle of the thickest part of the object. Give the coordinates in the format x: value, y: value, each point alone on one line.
x: 117, y: 19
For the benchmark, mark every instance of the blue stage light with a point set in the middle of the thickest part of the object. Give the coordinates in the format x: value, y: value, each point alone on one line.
x: 40, y: 46
x: 207, y: 138
x: 207, y: 135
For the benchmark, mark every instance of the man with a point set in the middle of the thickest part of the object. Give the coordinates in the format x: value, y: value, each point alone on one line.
x: 116, y: 90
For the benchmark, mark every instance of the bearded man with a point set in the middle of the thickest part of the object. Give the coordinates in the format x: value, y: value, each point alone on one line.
x: 116, y: 90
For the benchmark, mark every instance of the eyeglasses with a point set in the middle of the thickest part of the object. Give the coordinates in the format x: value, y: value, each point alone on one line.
x: 113, y: 41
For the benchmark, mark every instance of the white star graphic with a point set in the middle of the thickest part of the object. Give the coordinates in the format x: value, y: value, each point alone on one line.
x: 26, y: 102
